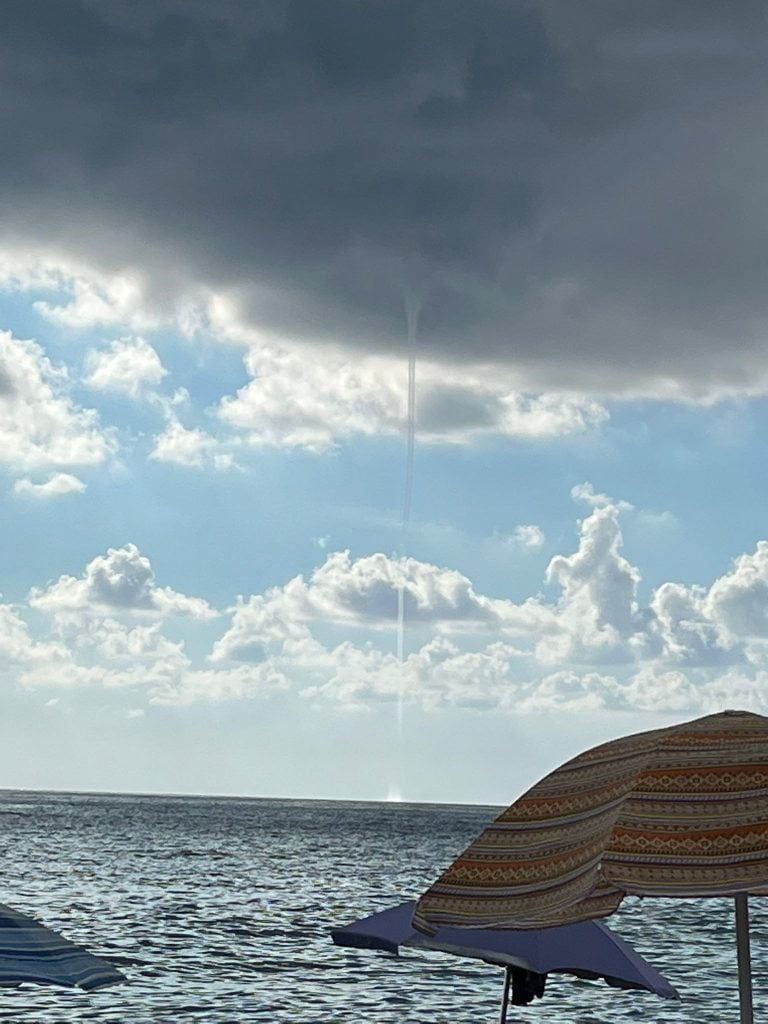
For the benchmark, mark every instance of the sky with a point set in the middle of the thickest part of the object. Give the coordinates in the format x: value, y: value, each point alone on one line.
x: 225, y: 229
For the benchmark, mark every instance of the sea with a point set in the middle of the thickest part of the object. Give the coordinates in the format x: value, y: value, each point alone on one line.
x: 219, y: 910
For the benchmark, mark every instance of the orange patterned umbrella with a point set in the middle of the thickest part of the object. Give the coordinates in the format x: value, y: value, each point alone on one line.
x: 676, y: 812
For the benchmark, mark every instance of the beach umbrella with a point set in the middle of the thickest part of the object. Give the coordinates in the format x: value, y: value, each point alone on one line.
x: 30, y: 951
x: 587, y: 950
x: 675, y: 812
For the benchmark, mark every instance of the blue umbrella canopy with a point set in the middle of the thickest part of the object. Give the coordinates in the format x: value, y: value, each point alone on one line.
x: 32, y: 952
x: 586, y: 950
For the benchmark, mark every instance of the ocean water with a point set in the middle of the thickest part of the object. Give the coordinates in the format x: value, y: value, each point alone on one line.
x: 218, y: 910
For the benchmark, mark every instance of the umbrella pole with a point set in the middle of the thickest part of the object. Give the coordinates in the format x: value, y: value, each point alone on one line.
x: 505, y: 997
x: 745, y: 967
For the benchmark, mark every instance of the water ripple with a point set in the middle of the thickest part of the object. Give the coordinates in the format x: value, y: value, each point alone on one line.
x: 218, y: 910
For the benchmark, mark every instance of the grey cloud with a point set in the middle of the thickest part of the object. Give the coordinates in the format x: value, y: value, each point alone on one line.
x: 456, y: 408
x: 577, y: 189
x: 6, y: 383
x: 121, y: 581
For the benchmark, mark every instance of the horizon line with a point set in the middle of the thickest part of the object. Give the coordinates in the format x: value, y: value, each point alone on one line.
x: 5, y: 790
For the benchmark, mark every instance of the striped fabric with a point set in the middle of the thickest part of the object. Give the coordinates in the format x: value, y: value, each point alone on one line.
x: 31, y: 952
x: 679, y: 812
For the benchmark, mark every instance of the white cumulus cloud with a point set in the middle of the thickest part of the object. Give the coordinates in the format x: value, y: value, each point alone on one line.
x: 363, y: 594
x: 591, y: 646
x: 129, y: 366
x: 300, y: 395
x: 189, y: 446
x: 598, y: 606
x: 315, y: 397
x: 586, y: 492
x: 739, y: 599
x: 19, y: 647
x: 87, y: 296
x: 40, y: 425
x: 55, y: 486
x: 120, y: 582
x: 528, y: 536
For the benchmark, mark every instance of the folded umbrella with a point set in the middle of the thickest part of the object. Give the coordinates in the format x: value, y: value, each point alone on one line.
x: 587, y: 950
x: 32, y: 952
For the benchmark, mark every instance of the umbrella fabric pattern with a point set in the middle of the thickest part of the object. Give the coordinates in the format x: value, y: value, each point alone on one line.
x: 32, y: 952
x: 675, y: 812
x: 679, y: 812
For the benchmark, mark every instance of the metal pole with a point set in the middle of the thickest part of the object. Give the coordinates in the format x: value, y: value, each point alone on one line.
x: 505, y: 997
x: 745, y: 969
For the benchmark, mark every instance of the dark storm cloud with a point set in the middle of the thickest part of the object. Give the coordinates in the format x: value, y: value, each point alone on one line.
x: 576, y: 188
